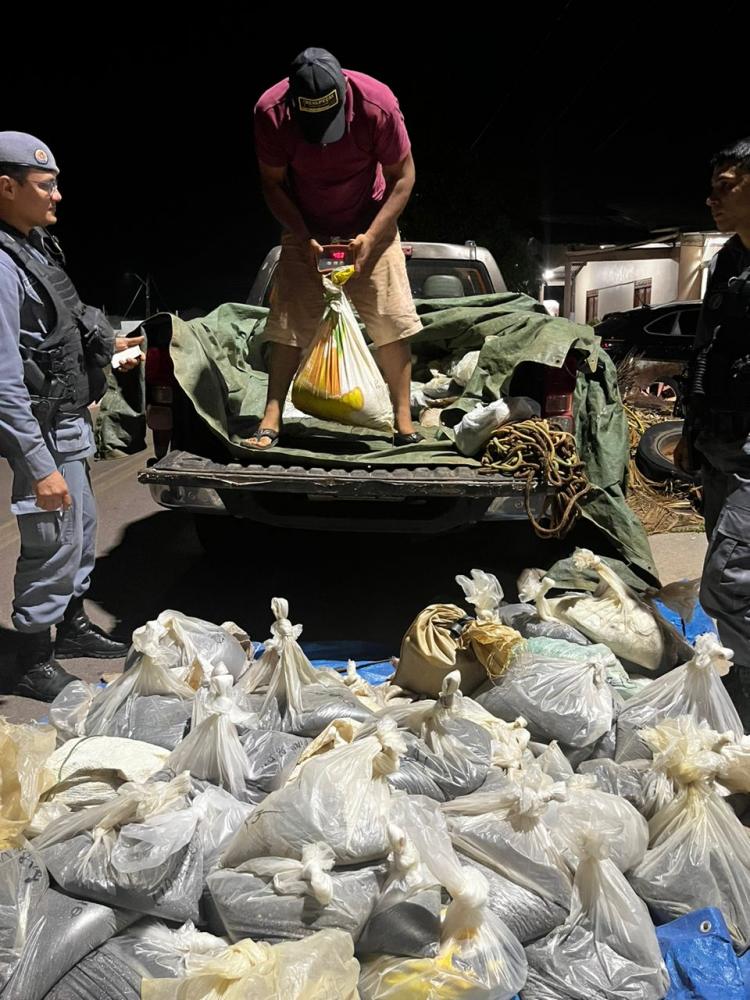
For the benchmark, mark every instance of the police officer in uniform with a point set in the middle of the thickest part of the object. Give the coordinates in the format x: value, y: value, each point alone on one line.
x: 717, y: 436
x: 53, y: 350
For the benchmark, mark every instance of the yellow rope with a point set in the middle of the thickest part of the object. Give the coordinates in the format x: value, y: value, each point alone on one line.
x: 537, y: 452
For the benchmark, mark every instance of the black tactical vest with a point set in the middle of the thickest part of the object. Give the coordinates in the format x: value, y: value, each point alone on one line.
x: 63, y: 373
x: 724, y: 363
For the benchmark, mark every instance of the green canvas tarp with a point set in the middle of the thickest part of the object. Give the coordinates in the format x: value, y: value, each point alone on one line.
x: 219, y: 362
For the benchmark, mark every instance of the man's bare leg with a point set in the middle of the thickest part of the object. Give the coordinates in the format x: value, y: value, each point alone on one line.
x: 281, y: 370
x: 395, y: 362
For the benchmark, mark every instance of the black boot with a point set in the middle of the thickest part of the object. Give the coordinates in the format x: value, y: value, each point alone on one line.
x: 737, y: 683
x: 42, y: 677
x: 78, y: 637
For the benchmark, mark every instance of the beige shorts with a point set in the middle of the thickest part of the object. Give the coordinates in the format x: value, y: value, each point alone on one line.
x: 381, y: 296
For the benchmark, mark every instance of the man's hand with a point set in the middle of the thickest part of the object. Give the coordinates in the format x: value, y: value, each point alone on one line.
x: 122, y: 344
x: 361, y: 248
x: 314, y: 250
x: 52, y: 492
x: 681, y: 456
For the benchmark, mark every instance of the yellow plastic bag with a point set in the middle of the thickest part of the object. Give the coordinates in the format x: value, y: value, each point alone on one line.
x: 319, y: 967
x: 23, y: 776
x: 338, y: 379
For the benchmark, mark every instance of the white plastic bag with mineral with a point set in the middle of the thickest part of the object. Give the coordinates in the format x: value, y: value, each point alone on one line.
x: 607, y: 816
x: 112, y: 711
x: 89, y: 770
x: 458, y: 750
x: 23, y: 883
x: 503, y: 827
x: 321, y: 967
x: 139, y: 850
x: 694, y: 689
x: 477, y: 426
x: 179, y: 641
x: 477, y: 958
x: 277, y: 899
x: 463, y: 369
x: 406, y: 917
x: 699, y: 851
x: 308, y: 699
x: 69, y: 710
x: 341, y: 797
x: 565, y: 700
x: 607, y: 947
x: 213, y: 751
x: 614, y: 615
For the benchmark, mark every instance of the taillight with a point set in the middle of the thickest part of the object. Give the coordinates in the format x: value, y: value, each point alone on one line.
x: 159, y: 367
x: 559, y: 388
x: 159, y: 395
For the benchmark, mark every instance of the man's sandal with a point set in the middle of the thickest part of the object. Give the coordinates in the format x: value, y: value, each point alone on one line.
x: 263, y: 432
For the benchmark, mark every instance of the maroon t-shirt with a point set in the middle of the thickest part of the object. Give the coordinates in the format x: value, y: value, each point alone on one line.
x: 338, y: 187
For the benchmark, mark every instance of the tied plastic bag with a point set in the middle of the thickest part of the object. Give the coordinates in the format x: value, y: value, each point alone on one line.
x: 374, y: 696
x: 607, y: 816
x: 492, y: 642
x: 147, y: 949
x: 23, y: 884
x: 475, y: 429
x: 526, y: 914
x: 167, y: 700
x: 308, y: 699
x: 503, y: 827
x: 337, y: 378
x: 463, y: 369
x: 699, y: 852
x: 280, y: 899
x: 24, y: 777
x: 60, y: 932
x: 613, y: 615
x: 607, y: 948
x: 69, y: 710
x: 212, y: 751
x: 432, y: 648
x: 477, y: 957
x: 141, y: 851
x: 693, y: 689
x: 456, y: 752
x: 340, y: 797
x: 320, y: 967
x: 183, y: 644
x: 561, y: 699
x: 88, y: 771
x: 406, y: 917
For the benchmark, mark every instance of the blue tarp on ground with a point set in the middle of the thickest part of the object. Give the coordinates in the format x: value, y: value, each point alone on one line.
x: 701, y: 961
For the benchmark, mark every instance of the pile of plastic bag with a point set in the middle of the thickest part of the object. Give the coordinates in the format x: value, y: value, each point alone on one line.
x: 516, y: 812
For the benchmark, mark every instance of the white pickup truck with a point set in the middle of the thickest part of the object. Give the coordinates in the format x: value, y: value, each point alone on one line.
x: 192, y: 472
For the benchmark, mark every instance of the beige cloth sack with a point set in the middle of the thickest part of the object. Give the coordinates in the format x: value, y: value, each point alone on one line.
x: 430, y: 651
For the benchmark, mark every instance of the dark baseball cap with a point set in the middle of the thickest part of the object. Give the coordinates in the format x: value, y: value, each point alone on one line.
x: 317, y: 96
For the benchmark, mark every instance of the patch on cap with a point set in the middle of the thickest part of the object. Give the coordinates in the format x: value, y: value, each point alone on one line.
x: 41, y: 156
x: 314, y: 105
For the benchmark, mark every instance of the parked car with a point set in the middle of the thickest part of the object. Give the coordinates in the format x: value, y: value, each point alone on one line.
x: 658, y: 333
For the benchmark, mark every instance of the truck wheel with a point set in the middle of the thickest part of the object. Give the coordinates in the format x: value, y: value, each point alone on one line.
x: 655, y: 454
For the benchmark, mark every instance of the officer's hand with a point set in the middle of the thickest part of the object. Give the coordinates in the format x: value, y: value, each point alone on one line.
x: 314, y: 250
x: 123, y: 343
x: 52, y: 492
x: 681, y: 456
x: 361, y: 250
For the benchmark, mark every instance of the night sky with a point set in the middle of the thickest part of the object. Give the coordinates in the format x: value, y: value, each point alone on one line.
x: 562, y: 121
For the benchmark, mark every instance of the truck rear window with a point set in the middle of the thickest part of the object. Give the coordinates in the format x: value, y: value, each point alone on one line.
x: 445, y: 279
